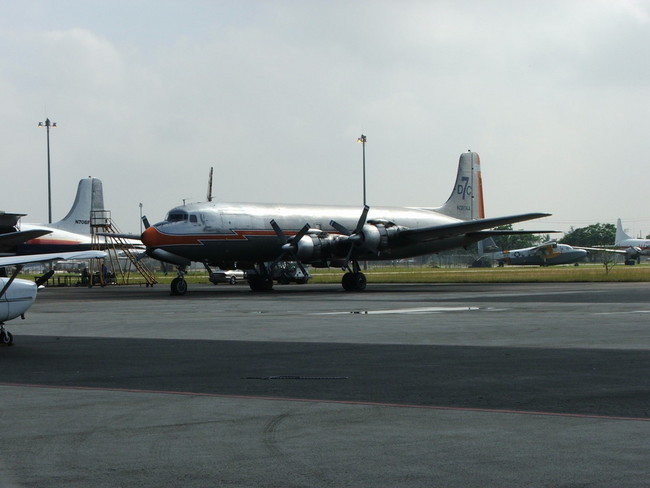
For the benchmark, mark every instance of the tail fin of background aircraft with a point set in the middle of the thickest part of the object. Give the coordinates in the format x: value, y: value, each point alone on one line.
x: 90, y: 197
x: 620, y: 233
x: 466, y: 200
x: 487, y: 246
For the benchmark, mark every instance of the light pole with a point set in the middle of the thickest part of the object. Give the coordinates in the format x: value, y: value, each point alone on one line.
x: 362, y: 140
x: 47, y: 124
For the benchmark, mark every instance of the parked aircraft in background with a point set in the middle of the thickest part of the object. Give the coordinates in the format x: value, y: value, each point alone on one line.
x: 547, y: 254
x: 17, y: 295
x: 72, y: 233
x: 626, y: 245
x: 259, y: 237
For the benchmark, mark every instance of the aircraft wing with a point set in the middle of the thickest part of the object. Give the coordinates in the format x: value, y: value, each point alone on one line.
x: 603, y: 249
x: 54, y: 256
x: 12, y: 239
x: 467, y: 227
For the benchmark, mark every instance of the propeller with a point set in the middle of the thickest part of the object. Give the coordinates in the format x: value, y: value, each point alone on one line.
x: 356, y: 237
x: 289, y: 246
x: 43, y: 279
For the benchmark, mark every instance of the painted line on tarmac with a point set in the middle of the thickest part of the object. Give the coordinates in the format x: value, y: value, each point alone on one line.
x: 335, y: 402
x: 415, y: 310
x: 622, y: 313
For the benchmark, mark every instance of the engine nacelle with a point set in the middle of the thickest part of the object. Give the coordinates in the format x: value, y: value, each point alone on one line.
x: 322, y: 249
x: 315, y: 247
x: 377, y: 235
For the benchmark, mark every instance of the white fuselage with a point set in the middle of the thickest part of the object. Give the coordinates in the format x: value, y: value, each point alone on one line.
x: 218, y: 232
x: 17, y: 299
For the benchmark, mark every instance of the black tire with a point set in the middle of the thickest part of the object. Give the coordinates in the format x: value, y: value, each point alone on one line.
x: 178, y: 287
x: 346, y: 281
x: 359, y: 281
x: 6, y: 338
x: 260, y: 283
x: 233, y: 280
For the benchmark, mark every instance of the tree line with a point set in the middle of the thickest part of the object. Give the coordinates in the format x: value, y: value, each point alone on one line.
x: 590, y: 236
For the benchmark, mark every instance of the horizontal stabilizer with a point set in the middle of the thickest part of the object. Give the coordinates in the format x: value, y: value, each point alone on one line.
x: 13, y: 239
x: 465, y: 227
x: 8, y: 220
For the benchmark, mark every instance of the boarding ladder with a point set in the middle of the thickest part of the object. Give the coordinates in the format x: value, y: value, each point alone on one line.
x: 105, y: 236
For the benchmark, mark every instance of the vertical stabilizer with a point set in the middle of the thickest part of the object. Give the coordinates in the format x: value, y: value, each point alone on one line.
x: 620, y: 233
x: 466, y: 200
x: 90, y: 197
x: 487, y: 246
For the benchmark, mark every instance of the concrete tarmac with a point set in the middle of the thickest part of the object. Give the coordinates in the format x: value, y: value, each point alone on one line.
x: 450, y: 385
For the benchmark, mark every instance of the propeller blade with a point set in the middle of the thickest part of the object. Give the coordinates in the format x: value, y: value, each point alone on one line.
x: 341, y: 228
x: 43, y: 279
x: 278, y: 232
x: 289, y: 247
x: 302, y: 233
x: 362, y: 219
x: 145, y: 221
x: 355, y: 238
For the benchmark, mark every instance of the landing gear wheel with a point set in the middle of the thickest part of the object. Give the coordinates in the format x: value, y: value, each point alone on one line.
x: 6, y: 338
x: 233, y: 280
x: 354, y: 281
x: 359, y: 281
x: 260, y: 283
x: 347, y: 281
x: 178, y: 286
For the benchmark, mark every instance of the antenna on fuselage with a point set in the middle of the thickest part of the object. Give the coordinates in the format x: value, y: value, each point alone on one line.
x: 210, y: 184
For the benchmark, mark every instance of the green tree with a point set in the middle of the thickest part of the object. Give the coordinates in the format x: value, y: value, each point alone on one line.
x: 518, y: 241
x: 590, y: 236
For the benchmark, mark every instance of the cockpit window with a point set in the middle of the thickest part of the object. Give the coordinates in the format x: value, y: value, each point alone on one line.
x: 176, y: 216
x: 193, y: 218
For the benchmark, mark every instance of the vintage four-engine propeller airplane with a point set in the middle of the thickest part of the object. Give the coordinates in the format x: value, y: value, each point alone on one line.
x: 258, y: 237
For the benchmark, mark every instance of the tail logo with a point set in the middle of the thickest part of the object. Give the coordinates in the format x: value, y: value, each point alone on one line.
x: 464, y: 189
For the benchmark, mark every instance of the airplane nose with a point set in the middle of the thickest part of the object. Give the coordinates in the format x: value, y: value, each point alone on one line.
x: 150, y: 237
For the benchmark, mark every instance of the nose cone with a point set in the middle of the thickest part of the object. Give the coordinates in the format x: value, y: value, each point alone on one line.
x: 150, y: 237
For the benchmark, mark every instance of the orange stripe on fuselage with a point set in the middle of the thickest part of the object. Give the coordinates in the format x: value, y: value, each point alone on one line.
x: 53, y: 242
x: 152, y: 237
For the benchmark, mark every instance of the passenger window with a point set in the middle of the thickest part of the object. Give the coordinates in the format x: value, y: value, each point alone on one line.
x: 193, y: 218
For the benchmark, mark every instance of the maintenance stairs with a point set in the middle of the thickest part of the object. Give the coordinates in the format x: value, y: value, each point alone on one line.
x: 121, y: 257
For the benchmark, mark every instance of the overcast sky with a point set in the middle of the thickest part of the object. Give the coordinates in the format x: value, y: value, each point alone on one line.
x: 148, y: 95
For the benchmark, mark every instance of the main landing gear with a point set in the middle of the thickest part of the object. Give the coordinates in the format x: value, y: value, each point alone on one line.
x: 354, y: 279
x: 261, y: 280
x: 5, y: 336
